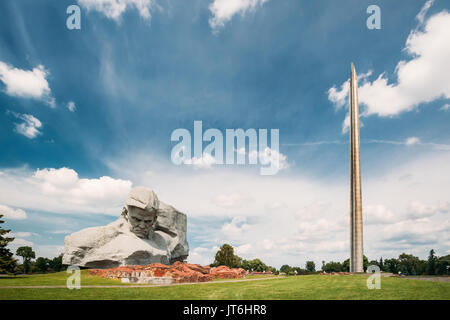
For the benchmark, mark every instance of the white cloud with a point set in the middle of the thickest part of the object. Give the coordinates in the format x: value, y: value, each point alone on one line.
x: 21, y: 234
x: 339, y: 97
x: 71, y: 106
x: 412, y: 141
x: 113, y: 9
x: 445, y: 107
x: 270, y: 157
x: 18, y: 242
x: 378, y: 214
x: 26, y: 83
x: 13, y: 214
x: 423, y: 12
x: 29, y: 127
x: 422, y: 79
x: 233, y: 200
x: 243, y: 249
x: 204, y: 162
x: 235, y: 228
x: 202, y: 255
x: 62, y: 191
x: 417, y: 209
x: 224, y: 10
x: 417, y: 232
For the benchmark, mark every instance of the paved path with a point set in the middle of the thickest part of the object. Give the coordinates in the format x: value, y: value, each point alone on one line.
x: 136, y: 285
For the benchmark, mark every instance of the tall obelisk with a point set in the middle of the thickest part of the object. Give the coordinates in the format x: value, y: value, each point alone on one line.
x: 356, y: 223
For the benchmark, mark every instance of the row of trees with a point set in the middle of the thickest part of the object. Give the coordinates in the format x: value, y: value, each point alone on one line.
x: 406, y: 264
x: 9, y: 265
x: 310, y: 267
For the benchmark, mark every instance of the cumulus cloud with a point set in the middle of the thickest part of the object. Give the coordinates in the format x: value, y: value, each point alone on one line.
x: 13, y: 214
x: 271, y: 160
x: 204, y: 162
x: 29, y: 127
x: 62, y: 191
x: 243, y: 249
x: 339, y: 96
x: 113, y: 9
x: 270, y: 157
x: 27, y: 83
x: 224, y: 10
x: 235, y: 228
x: 71, y: 106
x: 422, y: 79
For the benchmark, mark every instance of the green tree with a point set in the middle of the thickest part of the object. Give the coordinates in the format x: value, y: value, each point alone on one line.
x: 255, y: 265
x: 443, y: 265
x: 381, y: 265
x: 333, y: 267
x: 27, y: 254
x: 346, y: 264
x: 226, y: 257
x: 431, y: 263
x: 285, y: 269
x: 56, y: 263
x: 391, y: 265
x: 310, y: 266
x: 7, y: 263
x: 274, y: 270
x: 365, y: 263
x: 42, y: 264
x: 409, y: 263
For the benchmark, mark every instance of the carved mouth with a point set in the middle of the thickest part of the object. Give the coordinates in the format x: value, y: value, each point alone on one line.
x: 140, y: 232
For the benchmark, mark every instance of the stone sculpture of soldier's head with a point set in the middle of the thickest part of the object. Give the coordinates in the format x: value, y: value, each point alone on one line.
x: 141, y: 211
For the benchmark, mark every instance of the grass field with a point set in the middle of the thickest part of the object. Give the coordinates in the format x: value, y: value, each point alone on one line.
x: 295, y: 287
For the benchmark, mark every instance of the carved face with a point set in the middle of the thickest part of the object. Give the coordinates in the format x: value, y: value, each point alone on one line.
x: 141, y: 221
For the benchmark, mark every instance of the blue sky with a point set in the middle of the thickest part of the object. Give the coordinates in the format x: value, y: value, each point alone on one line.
x: 136, y: 74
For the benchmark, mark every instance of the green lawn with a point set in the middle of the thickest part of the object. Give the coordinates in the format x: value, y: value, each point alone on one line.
x: 298, y: 287
x: 54, y: 279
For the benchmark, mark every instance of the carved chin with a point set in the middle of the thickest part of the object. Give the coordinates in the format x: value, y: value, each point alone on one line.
x: 140, y: 234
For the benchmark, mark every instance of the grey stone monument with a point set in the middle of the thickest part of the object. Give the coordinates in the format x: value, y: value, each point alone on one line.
x: 148, y: 231
x: 356, y: 222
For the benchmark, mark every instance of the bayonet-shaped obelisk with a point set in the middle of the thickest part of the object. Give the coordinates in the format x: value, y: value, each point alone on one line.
x: 356, y: 223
